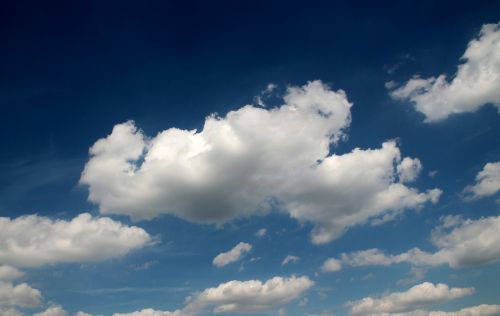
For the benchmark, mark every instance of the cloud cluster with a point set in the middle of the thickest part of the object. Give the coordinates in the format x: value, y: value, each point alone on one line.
x: 31, y: 241
x: 474, y: 85
x: 487, y: 182
x: 252, y: 161
x: 419, y: 296
x: 233, y: 255
x: 460, y: 243
x: 20, y: 295
x: 239, y: 296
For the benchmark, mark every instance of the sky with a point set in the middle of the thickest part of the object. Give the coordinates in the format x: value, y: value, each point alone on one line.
x: 184, y: 158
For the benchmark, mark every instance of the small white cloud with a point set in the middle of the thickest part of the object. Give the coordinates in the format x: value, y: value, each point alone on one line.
x: 419, y: 296
x: 232, y: 255
x: 20, y: 295
x: 261, y: 233
x: 35, y: 240
x: 460, y: 243
x: 331, y: 265
x: 8, y: 273
x: 289, y: 259
x: 53, y: 311
x: 474, y: 85
x: 487, y: 182
x: 239, y: 297
x: 409, y: 169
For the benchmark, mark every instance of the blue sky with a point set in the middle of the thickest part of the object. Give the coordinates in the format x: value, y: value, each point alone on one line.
x: 165, y: 158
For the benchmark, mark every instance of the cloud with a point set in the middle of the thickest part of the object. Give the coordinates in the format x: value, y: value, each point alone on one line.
x: 53, y: 311
x: 21, y: 295
x: 8, y: 273
x: 487, y: 182
x: 232, y: 255
x: 250, y: 162
x: 331, y: 265
x: 409, y: 169
x: 474, y: 85
x: 31, y: 241
x: 418, y: 296
x: 10, y: 312
x: 289, y: 259
x: 261, y: 233
x: 480, y: 310
x: 150, y: 312
x: 460, y: 243
x: 239, y: 297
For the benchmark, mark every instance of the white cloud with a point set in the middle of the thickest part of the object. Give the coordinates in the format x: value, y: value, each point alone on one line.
x: 249, y: 162
x: 331, y: 265
x: 232, y: 255
x: 289, y: 259
x: 418, y: 296
x: 8, y: 273
x: 261, y: 233
x: 10, y: 312
x: 239, y: 297
x: 409, y: 169
x: 20, y: 295
x: 480, y: 310
x: 53, y: 311
x: 82, y: 314
x: 474, y: 85
x: 460, y: 243
x: 487, y: 182
x: 34, y: 240
x: 253, y: 295
x: 151, y: 312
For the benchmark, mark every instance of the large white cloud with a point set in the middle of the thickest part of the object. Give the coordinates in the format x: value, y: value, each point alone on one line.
x: 233, y: 255
x: 460, y: 243
x: 251, y: 161
x: 474, y: 85
x: 419, y: 296
x: 487, y: 182
x: 33, y: 240
x: 20, y: 295
x: 239, y: 297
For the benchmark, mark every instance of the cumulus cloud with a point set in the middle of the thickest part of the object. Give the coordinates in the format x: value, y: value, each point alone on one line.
x: 232, y: 255
x: 33, y: 240
x: 487, y: 182
x: 418, y: 296
x: 331, y: 265
x: 251, y: 161
x: 261, y: 233
x: 239, y: 297
x: 20, y: 295
x: 10, y: 312
x: 480, y: 310
x: 460, y: 243
x: 409, y: 169
x: 474, y: 85
x: 53, y: 311
x: 288, y: 259
x: 8, y: 273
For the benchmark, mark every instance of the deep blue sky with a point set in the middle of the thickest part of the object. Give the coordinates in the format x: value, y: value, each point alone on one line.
x: 70, y: 71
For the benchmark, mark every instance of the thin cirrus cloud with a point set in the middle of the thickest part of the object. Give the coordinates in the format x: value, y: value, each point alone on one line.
x: 487, y: 182
x: 233, y: 255
x: 251, y: 296
x: 289, y: 259
x: 475, y: 84
x: 252, y: 161
x: 419, y: 296
x: 32, y: 241
x: 460, y: 243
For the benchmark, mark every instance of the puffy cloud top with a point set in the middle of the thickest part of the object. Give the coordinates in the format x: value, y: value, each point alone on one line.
x: 421, y: 295
x: 487, y: 182
x: 474, y: 85
x: 31, y: 241
x: 251, y: 161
